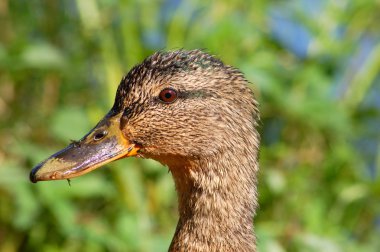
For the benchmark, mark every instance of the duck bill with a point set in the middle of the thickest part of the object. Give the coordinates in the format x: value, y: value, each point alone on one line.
x: 103, y: 144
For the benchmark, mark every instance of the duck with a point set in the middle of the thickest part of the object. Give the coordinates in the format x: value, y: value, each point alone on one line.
x: 196, y: 115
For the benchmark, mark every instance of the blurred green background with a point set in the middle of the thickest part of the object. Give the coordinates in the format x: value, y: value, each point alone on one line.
x: 315, y: 69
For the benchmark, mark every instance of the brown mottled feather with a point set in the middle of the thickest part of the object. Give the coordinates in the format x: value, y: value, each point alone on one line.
x: 207, y: 138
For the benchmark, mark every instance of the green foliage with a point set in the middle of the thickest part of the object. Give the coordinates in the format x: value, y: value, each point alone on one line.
x: 61, y: 62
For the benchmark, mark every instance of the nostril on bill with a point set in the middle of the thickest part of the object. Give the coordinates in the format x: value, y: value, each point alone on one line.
x: 98, y: 136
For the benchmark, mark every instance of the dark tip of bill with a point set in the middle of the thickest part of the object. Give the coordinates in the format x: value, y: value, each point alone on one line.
x: 32, y: 175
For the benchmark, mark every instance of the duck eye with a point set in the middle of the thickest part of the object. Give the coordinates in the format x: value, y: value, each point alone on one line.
x: 98, y: 136
x: 168, y: 95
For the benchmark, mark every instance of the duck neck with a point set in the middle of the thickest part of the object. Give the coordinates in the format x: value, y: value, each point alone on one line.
x: 217, y: 201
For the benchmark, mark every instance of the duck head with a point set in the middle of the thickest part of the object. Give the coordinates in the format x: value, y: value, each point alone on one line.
x: 174, y: 106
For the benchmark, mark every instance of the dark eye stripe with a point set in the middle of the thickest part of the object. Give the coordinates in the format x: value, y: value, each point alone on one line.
x: 195, y: 94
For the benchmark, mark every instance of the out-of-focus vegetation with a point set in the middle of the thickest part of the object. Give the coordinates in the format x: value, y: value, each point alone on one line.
x: 315, y: 68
